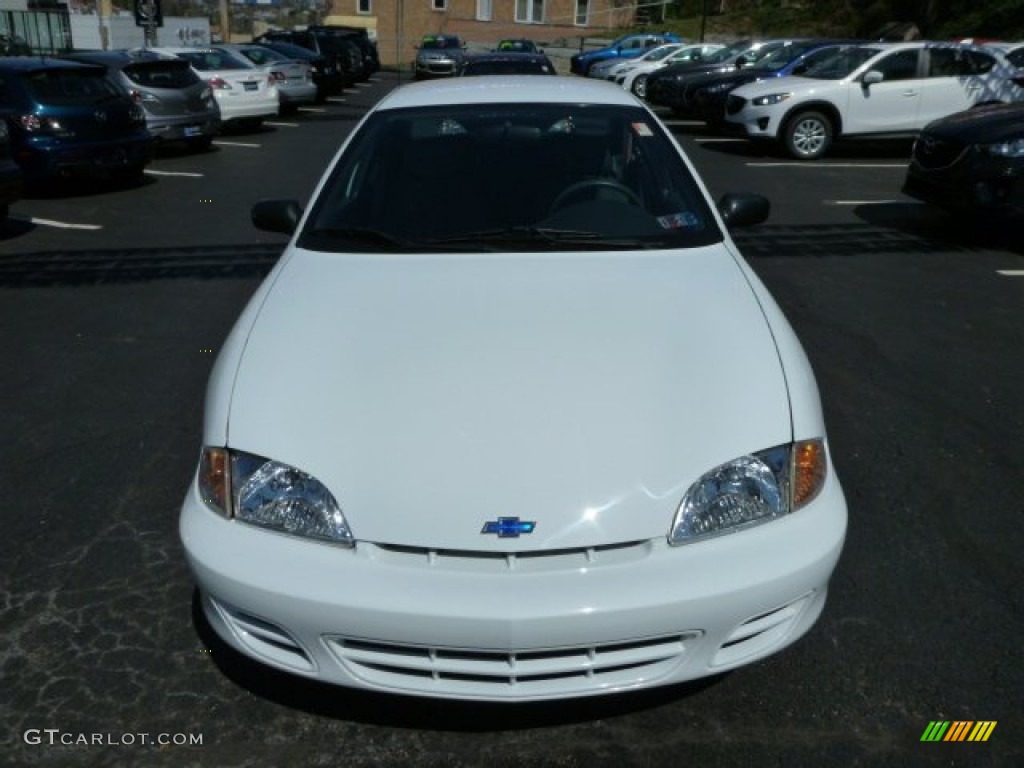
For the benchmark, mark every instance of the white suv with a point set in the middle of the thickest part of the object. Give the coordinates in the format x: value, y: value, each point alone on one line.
x: 877, y: 90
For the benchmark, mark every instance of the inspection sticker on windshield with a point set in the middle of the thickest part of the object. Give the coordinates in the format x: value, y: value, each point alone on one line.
x: 642, y: 129
x: 684, y: 220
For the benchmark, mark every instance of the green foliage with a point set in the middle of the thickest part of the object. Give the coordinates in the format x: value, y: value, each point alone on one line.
x: 1001, y: 19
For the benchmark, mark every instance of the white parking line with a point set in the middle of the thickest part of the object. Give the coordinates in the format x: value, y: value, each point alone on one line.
x: 311, y: 109
x: 1011, y: 272
x: 683, y: 122
x: 281, y: 125
x: 58, y: 224
x: 901, y: 166
x: 870, y: 202
x: 236, y: 144
x: 336, y: 99
x: 190, y: 174
x: 713, y: 139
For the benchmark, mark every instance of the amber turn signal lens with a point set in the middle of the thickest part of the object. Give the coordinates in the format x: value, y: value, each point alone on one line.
x: 215, y: 481
x: 809, y: 468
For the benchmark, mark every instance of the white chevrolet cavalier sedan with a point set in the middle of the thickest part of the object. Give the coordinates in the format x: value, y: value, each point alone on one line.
x: 511, y: 419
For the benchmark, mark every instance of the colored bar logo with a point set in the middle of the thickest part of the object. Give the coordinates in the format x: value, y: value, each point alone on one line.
x: 958, y: 730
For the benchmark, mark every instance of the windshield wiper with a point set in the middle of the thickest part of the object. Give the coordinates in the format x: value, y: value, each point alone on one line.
x: 545, y: 235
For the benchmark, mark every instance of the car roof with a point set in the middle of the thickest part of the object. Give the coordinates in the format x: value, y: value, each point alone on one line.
x: 35, y: 63
x: 508, y: 89
x: 116, y: 58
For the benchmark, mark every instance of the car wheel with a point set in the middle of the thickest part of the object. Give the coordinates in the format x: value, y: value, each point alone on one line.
x: 807, y: 135
x: 201, y: 144
x: 640, y: 86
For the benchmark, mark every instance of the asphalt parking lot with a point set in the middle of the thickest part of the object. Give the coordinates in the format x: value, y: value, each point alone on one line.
x: 114, y: 301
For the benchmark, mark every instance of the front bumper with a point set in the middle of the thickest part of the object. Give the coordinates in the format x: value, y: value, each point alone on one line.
x: 973, y: 183
x: 552, y: 625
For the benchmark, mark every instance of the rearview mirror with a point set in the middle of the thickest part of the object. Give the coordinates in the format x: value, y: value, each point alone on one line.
x: 743, y: 209
x: 277, y: 215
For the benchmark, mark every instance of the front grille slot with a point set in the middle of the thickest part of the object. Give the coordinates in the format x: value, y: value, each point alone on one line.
x: 511, y: 673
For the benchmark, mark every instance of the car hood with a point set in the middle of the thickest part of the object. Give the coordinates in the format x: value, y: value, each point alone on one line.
x: 582, y: 392
x: 796, y: 84
x: 982, y: 125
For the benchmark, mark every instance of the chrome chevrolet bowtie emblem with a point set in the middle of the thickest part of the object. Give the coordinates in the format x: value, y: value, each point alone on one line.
x: 509, y: 527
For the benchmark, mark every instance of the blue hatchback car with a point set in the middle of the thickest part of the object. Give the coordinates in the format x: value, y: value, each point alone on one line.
x: 68, y: 119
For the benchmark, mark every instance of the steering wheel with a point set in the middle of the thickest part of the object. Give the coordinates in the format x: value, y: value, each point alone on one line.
x: 595, y: 184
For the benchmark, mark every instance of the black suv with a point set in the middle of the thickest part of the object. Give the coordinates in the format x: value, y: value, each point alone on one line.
x: 350, y: 48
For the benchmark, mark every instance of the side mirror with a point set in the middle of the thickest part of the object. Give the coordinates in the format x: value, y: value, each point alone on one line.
x: 277, y: 215
x: 872, y: 76
x: 743, y: 209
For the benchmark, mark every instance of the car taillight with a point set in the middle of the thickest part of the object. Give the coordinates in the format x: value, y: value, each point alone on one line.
x: 219, y: 83
x: 136, y: 96
x: 278, y: 76
x: 38, y: 124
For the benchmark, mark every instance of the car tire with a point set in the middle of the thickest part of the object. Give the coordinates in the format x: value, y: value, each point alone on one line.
x: 639, y: 87
x: 807, y: 135
x: 201, y: 144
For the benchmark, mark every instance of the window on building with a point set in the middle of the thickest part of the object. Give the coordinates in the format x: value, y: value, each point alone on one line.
x: 582, y: 13
x: 364, y: 6
x: 530, y: 11
x: 484, y: 11
x: 439, y: 5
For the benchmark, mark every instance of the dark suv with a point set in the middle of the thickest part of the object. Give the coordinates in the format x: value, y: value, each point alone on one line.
x: 67, y: 119
x: 350, y: 49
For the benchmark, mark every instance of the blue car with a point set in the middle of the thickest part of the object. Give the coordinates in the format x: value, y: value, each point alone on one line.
x: 69, y: 119
x: 626, y: 47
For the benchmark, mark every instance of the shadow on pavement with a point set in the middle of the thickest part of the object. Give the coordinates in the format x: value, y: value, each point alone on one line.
x: 133, y: 264
x: 391, y: 710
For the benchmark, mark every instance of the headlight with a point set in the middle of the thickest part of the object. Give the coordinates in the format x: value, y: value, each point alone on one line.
x: 1014, y: 148
x: 750, y: 490
x: 771, y: 98
x: 272, y: 495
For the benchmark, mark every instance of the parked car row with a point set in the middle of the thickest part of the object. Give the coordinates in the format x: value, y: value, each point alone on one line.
x: 805, y: 94
x: 102, y: 113
x: 347, y: 52
x: 446, y: 56
x: 632, y: 73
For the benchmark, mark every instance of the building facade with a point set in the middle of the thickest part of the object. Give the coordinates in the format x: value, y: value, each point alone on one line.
x: 399, y: 25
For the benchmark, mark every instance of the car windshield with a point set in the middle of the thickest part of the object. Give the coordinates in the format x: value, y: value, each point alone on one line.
x: 212, y: 61
x: 161, y: 74
x: 66, y: 86
x: 510, y: 177
x: 723, y: 55
x: 433, y: 43
x: 660, y: 52
x: 785, y: 55
x: 841, y: 63
x: 259, y: 55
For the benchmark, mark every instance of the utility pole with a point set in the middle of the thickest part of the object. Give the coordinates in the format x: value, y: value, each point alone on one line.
x: 225, y: 21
